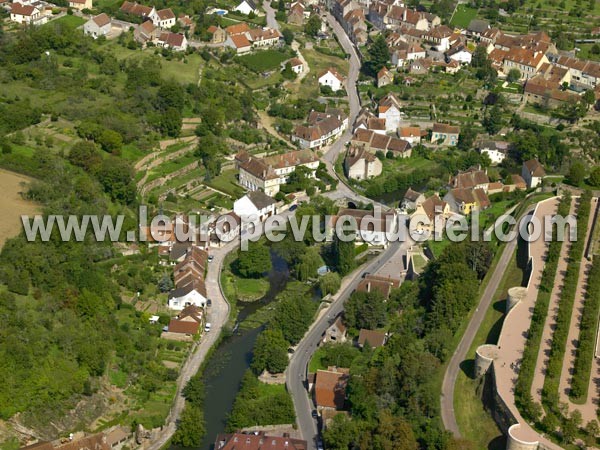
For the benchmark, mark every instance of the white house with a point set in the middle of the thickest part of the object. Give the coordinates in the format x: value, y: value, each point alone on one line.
x: 533, y: 172
x: 495, y: 150
x: 297, y: 66
x: 410, y: 134
x: 175, y: 41
x: 390, y: 110
x: 193, y: 293
x: 27, y: 14
x: 246, y: 7
x: 372, y: 227
x: 97, y: 26
x: 254, y: 205
x: 332, y: 78
x: 164, y: 18
x: 460, y: 54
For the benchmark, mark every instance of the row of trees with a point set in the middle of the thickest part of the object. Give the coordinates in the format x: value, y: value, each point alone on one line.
x: 523, y: 398
x: 587, y: 335
x: 550, y: 392
x: 191, y: 427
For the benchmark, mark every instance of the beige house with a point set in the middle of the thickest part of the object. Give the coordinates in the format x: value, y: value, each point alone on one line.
x: 269, y: 173
x: 361, y: 164
x: 384, y: 77
x: 430, y: 216
x: 218, y: 34
x: 80, y: 4
x: 527, y: 62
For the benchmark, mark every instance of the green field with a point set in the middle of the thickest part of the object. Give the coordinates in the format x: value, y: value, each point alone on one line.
x: 463, y: 16
x: 264, y: 60
x: 227, y: 182
x: 70, y: 21
x: 474, y: 421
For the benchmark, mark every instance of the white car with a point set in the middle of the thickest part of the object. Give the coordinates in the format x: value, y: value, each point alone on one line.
x: 207, y: 327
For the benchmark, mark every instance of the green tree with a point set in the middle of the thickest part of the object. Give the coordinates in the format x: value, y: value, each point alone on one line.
x: 343, y: 255
x: 270, y: 352
x: 576, y: 173
x: 492, y: 120
x: 116, y: 176
x: 513, y: 75
x: 467, y: 136
x: 194, y: 390
x: 308, y: 264
x: 379, y: 54
x: 254, y: 262
x: 84, y: 154
x: 312, y: 25
x: 110, y: 141
x: 288, y: 36
x: 594, y: 179
x: 211, y: 150
x: 366, y: 310
x: 479, y: 58
x: 190, y: 428
x: 330, y: 283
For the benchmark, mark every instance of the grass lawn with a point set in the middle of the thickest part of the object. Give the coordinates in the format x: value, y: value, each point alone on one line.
x: 185, y: 71
x: 250, y: 289
x: 475, y: 423
x: 227, y: 182
x: 419, y: 263
x: 263, y: 60
x: 463, y: 16
x: 70, y: 21
x: 315, y: 362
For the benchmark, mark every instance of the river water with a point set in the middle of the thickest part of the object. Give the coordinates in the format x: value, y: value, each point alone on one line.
x: 224, y: 370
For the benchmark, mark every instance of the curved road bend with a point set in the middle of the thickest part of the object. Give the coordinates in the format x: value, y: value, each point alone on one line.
x: 460, y: 354
x: 296, y: 375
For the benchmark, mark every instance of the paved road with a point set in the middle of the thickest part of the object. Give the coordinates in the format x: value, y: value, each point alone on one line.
x: 297, y: 371
x: 353, y: 98
x: 270, y: 13
x: 447, y: 395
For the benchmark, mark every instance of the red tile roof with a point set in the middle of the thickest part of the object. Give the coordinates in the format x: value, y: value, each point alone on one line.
x: 330, y: 389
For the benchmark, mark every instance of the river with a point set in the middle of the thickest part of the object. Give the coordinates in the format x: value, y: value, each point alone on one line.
x: 224, y: 370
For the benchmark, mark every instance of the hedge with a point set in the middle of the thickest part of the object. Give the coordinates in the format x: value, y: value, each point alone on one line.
x: 550, y: 392
x: 587, y: 336
x: 540, y: 311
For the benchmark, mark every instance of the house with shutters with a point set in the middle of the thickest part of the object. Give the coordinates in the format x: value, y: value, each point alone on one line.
x: 174, y: 41
x: 322, y: 129
x: 164, y: 18
x: 444, y: 134
x: 269, y: 173
x: 26, y: 14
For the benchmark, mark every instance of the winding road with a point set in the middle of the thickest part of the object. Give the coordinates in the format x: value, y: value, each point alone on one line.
x: 297, y: 372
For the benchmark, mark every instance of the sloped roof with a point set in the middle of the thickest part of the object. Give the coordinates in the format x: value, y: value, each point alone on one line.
x: 330, y: 389
x: 22, y: 10
x: 101, y: 19
x: 374, y: 338
x: 260, y: 199
x: 166, y: 14
x: 535, y: 168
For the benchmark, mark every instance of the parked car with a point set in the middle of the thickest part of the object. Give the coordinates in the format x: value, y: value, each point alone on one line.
x: 291, y: 350
x: 207, y: 327
x: 293, y: 207
x: 314, y: 414
x: 210, y: 258
x: 208, y: 302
